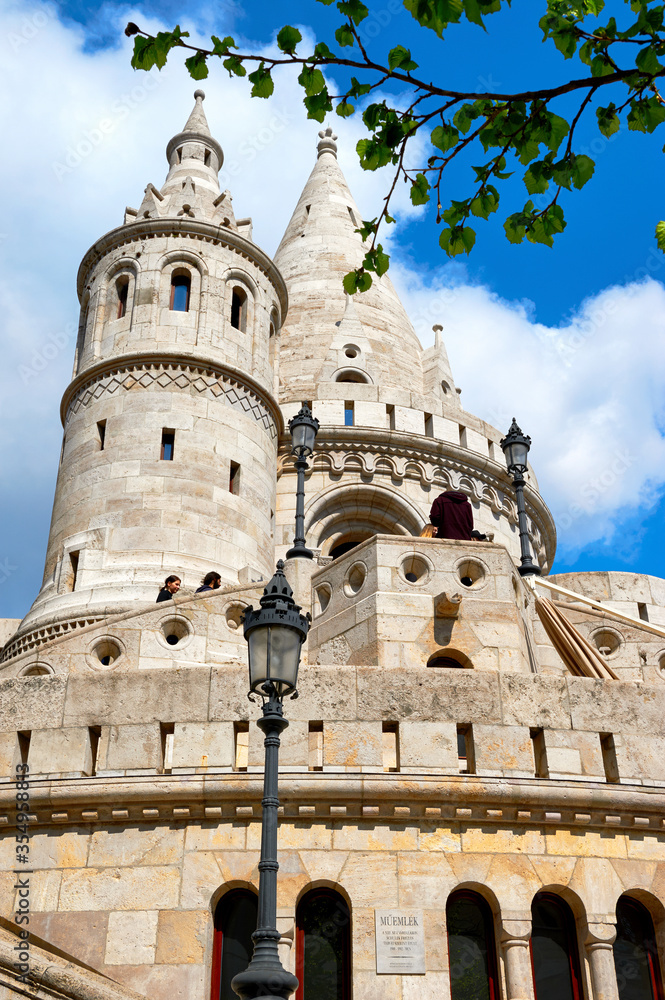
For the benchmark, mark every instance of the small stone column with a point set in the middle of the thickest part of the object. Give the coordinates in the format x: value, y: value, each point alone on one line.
x: 286, y: 926
x: 515, y: 938
x: 599, y: 940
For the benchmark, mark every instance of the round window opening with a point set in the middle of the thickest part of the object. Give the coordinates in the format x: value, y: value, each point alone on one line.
x: 36, y: 670
x: 234, y: 614
x: 445, y: 659
x: 355, y: 579
x: 323, y: 595
x: 606, y: 642
x: 175, y: 630
x: 351, y: 351
x: 107, y: 652
x: 415, y: 569
x: 661, y: 664
x: 470, y: 573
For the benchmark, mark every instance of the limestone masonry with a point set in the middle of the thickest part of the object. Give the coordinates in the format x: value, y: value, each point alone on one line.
x: 441, y: 753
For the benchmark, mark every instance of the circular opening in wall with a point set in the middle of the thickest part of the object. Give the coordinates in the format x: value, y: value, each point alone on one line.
x: 415, y: 569
x: 36, y: 670
x: 606, y: 641
x: 351, y: 351
x: 471, y: 573
x: 351, y: 375
x: 176, y: 630
x: 661, y: 665
x: 323, y: 595
x: 449, y: 658
x: 445, y: 386
x: 355, y: 579
x: 106, y: 652
x: 234, y: 614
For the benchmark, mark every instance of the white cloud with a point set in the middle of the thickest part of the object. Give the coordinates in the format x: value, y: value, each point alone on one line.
x: 88, y: 133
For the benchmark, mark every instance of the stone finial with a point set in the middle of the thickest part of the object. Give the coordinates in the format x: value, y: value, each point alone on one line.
x: 328, y: 143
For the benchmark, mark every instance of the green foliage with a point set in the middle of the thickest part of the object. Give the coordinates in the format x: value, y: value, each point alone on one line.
x: 506, y: 131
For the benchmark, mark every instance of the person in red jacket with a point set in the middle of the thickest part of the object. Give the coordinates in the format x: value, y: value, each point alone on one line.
x: 452, y: 516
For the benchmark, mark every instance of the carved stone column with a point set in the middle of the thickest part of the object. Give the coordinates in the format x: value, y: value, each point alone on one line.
x: 286, y: 926
x: 599, y: 940
x: 515, y: 937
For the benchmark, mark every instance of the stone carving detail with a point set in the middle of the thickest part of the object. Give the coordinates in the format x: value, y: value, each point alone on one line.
x: 37, y: 637
x: 168, y: 376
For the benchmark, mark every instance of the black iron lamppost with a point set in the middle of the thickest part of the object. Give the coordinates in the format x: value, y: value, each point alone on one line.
x: 303, y: 430
x: 515, y: 447
x: 275, y: 633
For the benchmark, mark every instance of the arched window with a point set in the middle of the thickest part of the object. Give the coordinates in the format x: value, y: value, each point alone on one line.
x: 180, y: 288
x: 635, y: 953
x: 239, y: 309
x: 471, y: 947
x: 235, y: 922
x: 323, y: 946
x: 122, y: 289
x: 554, y: 954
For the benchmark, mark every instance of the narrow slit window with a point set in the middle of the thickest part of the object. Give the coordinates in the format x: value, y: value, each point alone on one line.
x: 168, y: 445
x: 539, y: 753
x: 429, y: 425
x: 643, y: 612
x: 206, y: 158
x: 62, y: 450
x: 101, y: 432
x: 462, y: 437
x: 608, y: 750
x: 167, y: 731
x: 351, y: 215
x: 94, y: 735
x: 122, y: 287
x: 390, y: 417
x: 241, y: 739
x: 315, y: 746
x: 465, y: 754
x: 239, y: 309
x: 234, y: 478
x: 180, y: 289
x: 23, y: 745
x: 348, y: 413
x: 390, y: 736
x: 73, y: 569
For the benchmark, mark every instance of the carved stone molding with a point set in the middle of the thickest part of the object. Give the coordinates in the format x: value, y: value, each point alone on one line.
x: 209, y: 380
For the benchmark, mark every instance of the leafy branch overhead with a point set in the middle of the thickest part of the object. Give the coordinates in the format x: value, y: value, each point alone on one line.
x: 493, y: 134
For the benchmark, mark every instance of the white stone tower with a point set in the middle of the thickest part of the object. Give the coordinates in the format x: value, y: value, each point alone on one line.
x: 170, y: 425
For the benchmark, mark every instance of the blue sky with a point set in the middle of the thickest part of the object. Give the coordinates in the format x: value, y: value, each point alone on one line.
x: 570, y: 339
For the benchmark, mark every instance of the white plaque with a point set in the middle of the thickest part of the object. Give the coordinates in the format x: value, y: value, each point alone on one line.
x: 400, y: 942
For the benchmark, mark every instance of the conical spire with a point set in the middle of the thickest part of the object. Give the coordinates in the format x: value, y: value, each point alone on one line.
x: 197, y: 121
x: 319, y: 247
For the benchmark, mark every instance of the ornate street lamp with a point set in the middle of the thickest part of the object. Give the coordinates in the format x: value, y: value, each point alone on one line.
x: 303, y: 430
x: 515, y: 447
x: 275, y: 633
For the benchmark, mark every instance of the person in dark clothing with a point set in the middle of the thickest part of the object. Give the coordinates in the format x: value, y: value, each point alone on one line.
x: 452, y: 516
x: 169, y: 590
x: 211, y: 581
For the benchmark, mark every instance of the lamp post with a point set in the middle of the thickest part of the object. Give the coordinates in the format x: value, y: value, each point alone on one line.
x: 303, y: 430
x: 275, y: 633
x: 515, y: 447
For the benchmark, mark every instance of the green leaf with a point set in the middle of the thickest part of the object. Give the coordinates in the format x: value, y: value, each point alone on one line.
x: 373, y: 153
x: 444, y: 137
x: 537, y: 177
x: 221, y: 46
x: 197, y: 66
x: 400, y: 58
x: 234, y: 66
x: 583, y: 169
x: 311, y: 79
x: 660, y: 236
x: 356, y: 281
x: 558, y: 129
x: 608, y: 120
x: 358, y: 89
x: 376, y: 260
x: 344, y: 109
x: 354, y: 9
x: 515, y: 228
x: 144, y: 53
x: 318, y: 105
x: 419, y: 190
x: 435, y: 14
x: 288, y: 38
x: 344, y: 35
x: 647, y: 61
x: 486, y: 202
x: 457, y: 240
x: 321, y: 50
x: 262, y: 81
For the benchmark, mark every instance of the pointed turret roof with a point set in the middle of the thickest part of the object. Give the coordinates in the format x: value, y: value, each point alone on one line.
x: 319, y: 247
x: 197, y: 121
